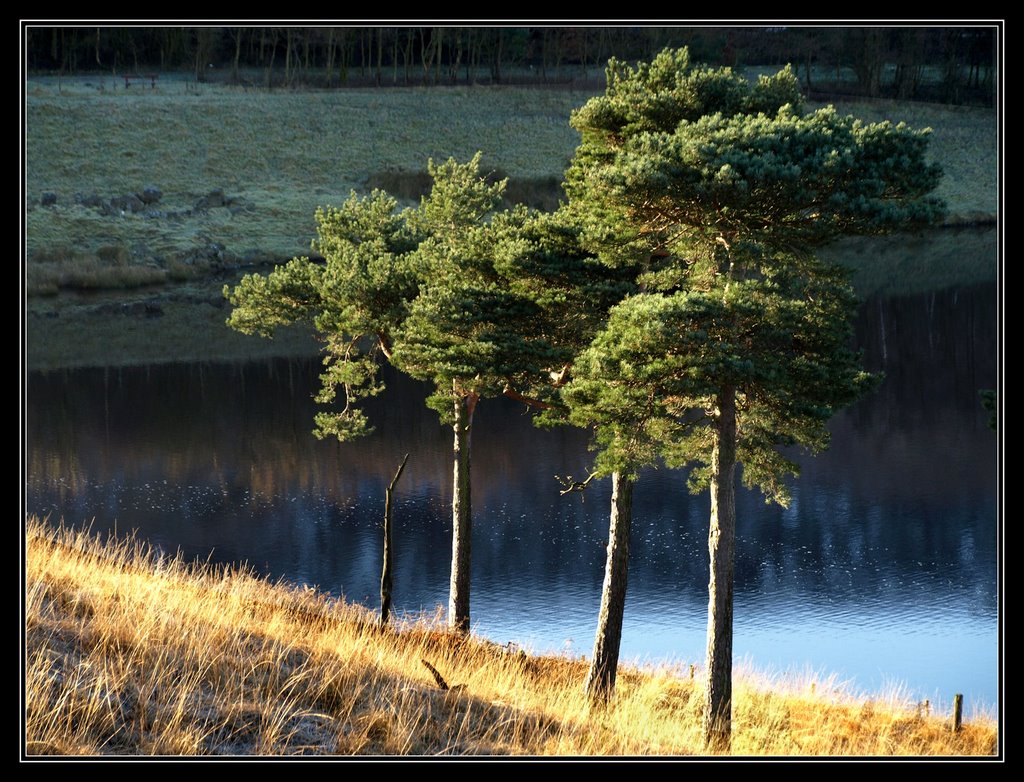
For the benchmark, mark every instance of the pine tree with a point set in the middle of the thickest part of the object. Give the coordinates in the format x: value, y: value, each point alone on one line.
x: 479, y: 302
x: 738, y: 342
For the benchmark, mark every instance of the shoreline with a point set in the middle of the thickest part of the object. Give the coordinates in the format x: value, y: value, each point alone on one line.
x: 184, y: 321
x: 283, y: 669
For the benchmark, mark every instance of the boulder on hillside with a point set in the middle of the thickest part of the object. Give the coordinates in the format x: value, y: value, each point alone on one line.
x: 212, y: 200
x: 150, y: 194
x: 90, y: 200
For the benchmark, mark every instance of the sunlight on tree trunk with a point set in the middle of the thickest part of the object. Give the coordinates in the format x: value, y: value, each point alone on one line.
x: 721, y: 547
x: 601, y: 678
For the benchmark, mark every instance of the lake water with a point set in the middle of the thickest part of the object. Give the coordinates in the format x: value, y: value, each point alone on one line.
x: 883, y: 571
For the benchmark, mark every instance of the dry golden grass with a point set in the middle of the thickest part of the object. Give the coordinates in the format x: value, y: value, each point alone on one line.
x: 84, y: 271
x: 131, y: 654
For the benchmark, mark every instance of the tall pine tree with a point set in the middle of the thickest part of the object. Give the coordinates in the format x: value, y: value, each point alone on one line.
x: 738, y: 342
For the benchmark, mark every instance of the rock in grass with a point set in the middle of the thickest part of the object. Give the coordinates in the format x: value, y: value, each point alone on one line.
x: 212, y: 200
x: 48, y: 199
x: 90, y: 200
x: 150, y: 194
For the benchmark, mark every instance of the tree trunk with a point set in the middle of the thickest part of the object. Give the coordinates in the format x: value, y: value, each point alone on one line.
x: 437, y: 56
x: 496, y: 65
x: 394, y: 57
x: 407, y: 54
x: 386, y: 580
x: 288, y: 57
x: 304, y: 77
x: 329, y: 69
x: 364, y: 50
x: 721, y: 545
x: 380, y: 54
x: 239, y: 32
x: 601, y: 678
x: 462, y: 518
x: 270, y: 65
x: 343, y: 55
x: 455, y: 60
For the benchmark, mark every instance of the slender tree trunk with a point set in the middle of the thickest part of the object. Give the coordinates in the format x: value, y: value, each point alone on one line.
x: 407, y: 54
x: 329, y: 69
x: 380, y: 54
x: 721, y: 545
x: 425, y: 55
x: 462, y: 516
x: 455, y: 60
x: 364, y: 51
x: 601, y: 679
x: 270, y: 65
x: 239, y: 32
x: 305, y: 57
x: 343, y: 55
x: 394, y: 57
x: 437, y: 56
x: 288, y: 57
x: 386, y: 580
x: 496, y: 73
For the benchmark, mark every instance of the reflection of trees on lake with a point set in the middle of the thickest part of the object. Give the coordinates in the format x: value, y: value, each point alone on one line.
x: 910, y: 477
x: 911, y: 472
x: 250, y: 425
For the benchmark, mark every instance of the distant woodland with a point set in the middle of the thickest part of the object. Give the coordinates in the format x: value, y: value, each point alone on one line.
x: 942, y: 64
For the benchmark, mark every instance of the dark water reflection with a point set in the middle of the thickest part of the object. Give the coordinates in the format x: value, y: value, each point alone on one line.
x: 883, y: 569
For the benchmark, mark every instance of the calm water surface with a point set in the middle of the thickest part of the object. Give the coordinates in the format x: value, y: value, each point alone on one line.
x: 883, y: 570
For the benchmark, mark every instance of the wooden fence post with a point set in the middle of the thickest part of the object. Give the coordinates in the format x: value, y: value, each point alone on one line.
x: 958, y: 711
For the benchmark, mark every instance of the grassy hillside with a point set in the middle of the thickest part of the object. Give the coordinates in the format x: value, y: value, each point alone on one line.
x: 241, y: 173
x: 132, y: 654
x: 279, y: 155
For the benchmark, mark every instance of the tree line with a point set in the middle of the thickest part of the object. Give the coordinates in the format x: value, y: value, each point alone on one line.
x: 949, y: 64
x: 675, y: 305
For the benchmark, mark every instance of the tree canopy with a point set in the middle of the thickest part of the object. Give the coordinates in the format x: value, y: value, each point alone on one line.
x: 927, y: 62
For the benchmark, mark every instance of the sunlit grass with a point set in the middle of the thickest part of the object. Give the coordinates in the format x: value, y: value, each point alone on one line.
x: 130, y: 653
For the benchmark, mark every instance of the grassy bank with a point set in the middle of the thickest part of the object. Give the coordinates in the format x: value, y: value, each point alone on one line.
x: 279, y: 155
x: 185, y: 322
x: 241, y: 172
x: 180, y: 323
x: 127, y: 654
x: 276, y: 155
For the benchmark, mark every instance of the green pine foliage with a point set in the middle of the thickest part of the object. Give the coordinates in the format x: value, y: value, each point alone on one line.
x: 722, y: 190
x: 475, y: 300
x: 649, y: 380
